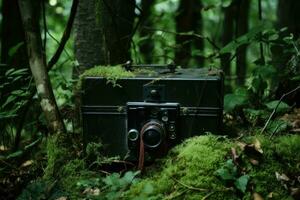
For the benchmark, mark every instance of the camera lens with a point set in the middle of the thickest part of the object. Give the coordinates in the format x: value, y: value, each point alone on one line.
x: 153, y: 133
x: 133, y: 135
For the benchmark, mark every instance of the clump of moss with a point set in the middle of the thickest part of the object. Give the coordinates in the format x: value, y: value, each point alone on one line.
x: 111, y: 73
x: 56, y: 157
x: 189, y: 171
x: 192, y: 164
x: 280, y: 155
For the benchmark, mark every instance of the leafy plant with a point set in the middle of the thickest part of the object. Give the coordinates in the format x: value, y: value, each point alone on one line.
x: 229, y: 173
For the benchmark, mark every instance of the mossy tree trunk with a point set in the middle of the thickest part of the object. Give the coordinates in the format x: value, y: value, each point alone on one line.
x: 48, y: 104
x: 103, y: 32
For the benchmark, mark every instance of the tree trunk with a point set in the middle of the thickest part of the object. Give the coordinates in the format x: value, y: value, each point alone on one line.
x: 103, y: 32
x: 147, y: 45
x: 227, y: 36
x: 188, y: 20
x: 38, y: 67
x: 242, y: 22
x: 289, y: 15
x: 12, y: 34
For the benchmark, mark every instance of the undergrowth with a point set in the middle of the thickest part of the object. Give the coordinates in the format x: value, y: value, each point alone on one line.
x: 195, y: 169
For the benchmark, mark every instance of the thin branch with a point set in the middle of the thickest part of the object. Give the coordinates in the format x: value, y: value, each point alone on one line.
x: 275, y: 109
x: 65, y: 36
x: 190, y: 187
x: 185, y: 34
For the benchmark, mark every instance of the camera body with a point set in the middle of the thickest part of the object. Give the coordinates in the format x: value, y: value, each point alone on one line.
x: 156, y: 124
x: 158, y: 106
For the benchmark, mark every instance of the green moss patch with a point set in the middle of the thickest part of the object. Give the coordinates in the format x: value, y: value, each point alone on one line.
x: 111, y: 73
x: 189, y: 172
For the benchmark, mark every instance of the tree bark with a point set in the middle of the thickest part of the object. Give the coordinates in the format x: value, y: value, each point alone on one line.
x: 227, y: 35
x: 188, y: 19
x: 103, y: 32
x: 38, y: 67
x: 288, y: 16
x: 12, y: 34
x: 242, y: 23
x: 147, y: 45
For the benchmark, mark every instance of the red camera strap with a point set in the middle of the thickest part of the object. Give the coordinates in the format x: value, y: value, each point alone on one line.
x: 141, y: 155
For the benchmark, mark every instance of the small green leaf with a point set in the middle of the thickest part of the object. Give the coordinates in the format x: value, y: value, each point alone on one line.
x: 244, y: 39
x: 228, y: 172
x: 13, y: 50
x: 241, y: 183
x: 225, y: 174
x: 231, y: 101
x: 282, y: 107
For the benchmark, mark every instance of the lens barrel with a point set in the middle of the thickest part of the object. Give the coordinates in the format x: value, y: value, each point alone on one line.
x: 153, y: 133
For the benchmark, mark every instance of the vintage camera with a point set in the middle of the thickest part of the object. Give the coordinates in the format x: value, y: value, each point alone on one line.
x: 156, y: 124
x: 158, y: 108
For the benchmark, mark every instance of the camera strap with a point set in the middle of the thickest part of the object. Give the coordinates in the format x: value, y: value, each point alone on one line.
x: 141, y: 155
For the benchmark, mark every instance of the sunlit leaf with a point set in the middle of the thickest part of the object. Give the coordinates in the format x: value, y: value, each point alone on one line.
x: 241, y: 183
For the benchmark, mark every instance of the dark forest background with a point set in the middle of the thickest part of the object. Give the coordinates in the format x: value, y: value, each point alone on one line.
x: 47, y: 44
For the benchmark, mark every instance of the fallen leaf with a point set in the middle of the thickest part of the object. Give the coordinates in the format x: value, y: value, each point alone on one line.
x: 257, y: 196
x: 254, y: 162
x: 27, y: 163
x: 257, y: 146
x: 62, y: 198
x: 270, y: 195
x: 296, y: 124
x: 90, y: 191
x: 242, y: 145
x: 281, y: 177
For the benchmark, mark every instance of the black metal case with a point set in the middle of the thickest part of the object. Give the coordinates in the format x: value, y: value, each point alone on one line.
x: 198, y: 91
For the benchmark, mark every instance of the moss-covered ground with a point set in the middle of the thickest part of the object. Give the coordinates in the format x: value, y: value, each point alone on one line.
x: 196, y: 169
x: 189, y: 171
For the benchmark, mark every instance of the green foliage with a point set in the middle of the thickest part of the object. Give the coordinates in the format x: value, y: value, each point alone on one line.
x: 229, y: 173
x: 41, y: 189
x: 247, y: 38
x: 235, y: 100
x: 14, y: 93
x: 280, y: 106
x: 241, y: 183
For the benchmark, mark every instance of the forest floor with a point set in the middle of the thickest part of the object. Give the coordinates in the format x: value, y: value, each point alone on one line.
x: 248, y: 165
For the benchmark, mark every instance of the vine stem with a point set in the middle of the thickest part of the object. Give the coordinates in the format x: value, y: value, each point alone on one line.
x: 275, y: 109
